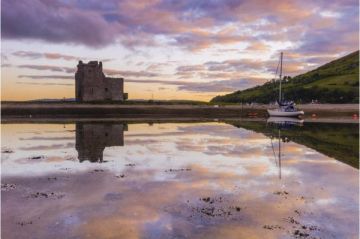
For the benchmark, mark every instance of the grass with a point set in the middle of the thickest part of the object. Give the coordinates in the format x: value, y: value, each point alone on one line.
x: 334, y: 82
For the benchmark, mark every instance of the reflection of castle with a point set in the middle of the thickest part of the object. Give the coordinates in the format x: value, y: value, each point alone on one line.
x: 92, y: 138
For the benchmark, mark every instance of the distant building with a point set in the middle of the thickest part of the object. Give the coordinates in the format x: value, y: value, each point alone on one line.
x: 93, y: 138
x: 92, y: 85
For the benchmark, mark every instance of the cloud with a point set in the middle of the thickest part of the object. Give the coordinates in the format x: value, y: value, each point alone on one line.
x: 43, y: 83
x: 258, y: 46
x: 112, y: 72
x: 190, y: 68
x: 191, y: 25
x: 193, y: 86
x: 209, y: 86
x: 51, y: 56
x: 72, y: 70
x: 47, y: 138
x: 54, y: 21
x: 49, y: 147
x: 50, y: 77
x: 49, y: 68
x: 46, y: 55
x: 310, y: 32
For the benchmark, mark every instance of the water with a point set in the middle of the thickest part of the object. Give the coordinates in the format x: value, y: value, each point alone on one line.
x: 179, y: 180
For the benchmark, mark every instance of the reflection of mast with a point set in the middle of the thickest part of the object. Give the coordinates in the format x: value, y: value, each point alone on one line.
x: 279, y: 155
x: 278, y: 159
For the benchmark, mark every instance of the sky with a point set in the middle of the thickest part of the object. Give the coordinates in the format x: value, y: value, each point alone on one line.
x: 168, y: 49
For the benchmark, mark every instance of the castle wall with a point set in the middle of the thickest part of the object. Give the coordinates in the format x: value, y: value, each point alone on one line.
x: 114, y: 88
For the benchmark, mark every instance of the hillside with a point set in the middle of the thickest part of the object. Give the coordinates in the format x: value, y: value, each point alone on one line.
x: 334, y: 82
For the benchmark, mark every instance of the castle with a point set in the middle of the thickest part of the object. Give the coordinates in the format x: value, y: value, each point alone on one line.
x: 92, y: 85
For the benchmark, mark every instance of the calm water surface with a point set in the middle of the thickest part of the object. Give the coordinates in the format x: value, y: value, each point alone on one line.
x: 179, y: 180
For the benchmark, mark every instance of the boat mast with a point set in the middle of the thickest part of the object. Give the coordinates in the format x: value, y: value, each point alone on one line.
x: 281, y: 59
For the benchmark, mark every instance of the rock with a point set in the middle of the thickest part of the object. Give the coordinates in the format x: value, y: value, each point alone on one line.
x: 46, y: 195
x: 98, y: 170
x: 7, y: 151
x: 24, y: 223
x: 272, y: 227
x: 37, y: 157
x: 178, y: 170
x: 7, y: 186
x: 300, y: 234
x: 130, y: 165
x: 281, y: 193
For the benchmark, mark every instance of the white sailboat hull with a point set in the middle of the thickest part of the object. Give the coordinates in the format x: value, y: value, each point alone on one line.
x: 280, y: 113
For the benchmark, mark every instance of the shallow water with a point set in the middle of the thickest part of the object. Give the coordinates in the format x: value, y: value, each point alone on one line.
x: 179, y: 180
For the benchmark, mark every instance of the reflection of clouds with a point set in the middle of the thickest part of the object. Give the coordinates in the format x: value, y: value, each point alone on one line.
x: 153, y: 208
x: 46, y: 138
x: 49, y: 147
x: 151, y: 202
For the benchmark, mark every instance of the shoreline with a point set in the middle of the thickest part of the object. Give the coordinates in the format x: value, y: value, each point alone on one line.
x: 72, y: 110
x: 147, y: 120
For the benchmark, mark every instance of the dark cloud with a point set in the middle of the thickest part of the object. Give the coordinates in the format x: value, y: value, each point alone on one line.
x: 54, y: 21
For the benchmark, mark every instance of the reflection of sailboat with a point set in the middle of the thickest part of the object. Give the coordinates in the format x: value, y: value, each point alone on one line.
x: 93, y: 138
x: 285, y: 109
x: 285, y: 121
x: 281, y: 123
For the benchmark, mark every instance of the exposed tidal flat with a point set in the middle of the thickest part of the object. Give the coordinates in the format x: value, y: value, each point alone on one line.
x: 231, y: 178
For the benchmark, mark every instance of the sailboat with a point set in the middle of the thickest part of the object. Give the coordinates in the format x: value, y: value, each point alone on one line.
x: 285, y: 109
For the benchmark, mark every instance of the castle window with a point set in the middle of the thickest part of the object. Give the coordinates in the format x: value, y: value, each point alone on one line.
x: 92, y: 91
x: 106, y: 89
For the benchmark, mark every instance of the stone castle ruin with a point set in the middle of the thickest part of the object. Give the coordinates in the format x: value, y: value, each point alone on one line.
x: 91, y: 84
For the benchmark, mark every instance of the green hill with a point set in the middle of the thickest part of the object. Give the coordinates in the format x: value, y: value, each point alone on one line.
x: 334, y: 82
